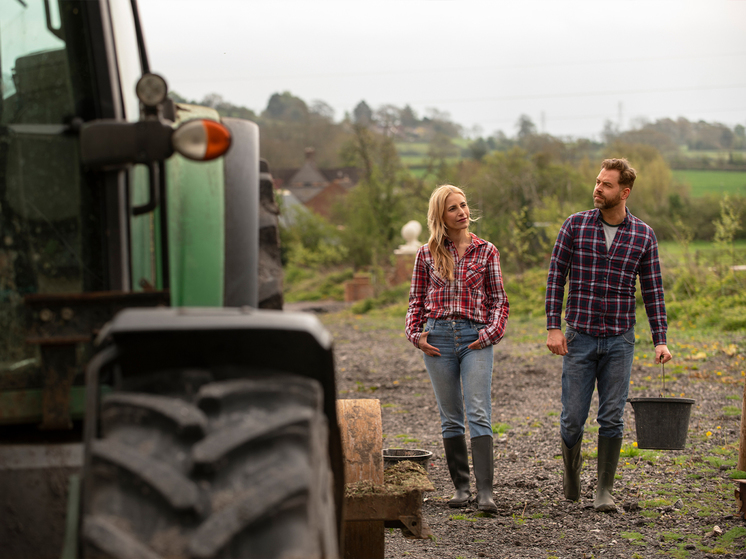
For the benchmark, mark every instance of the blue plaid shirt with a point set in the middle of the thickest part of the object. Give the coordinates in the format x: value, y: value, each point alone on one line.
x: 601, y: 298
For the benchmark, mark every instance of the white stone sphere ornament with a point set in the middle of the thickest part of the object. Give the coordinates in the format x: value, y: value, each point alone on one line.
x: 410, y: 232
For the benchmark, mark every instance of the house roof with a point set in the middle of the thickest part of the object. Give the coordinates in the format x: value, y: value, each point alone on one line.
x: 309, y: 181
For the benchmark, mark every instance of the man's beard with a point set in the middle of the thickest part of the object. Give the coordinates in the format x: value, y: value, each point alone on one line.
x: 606, y: 204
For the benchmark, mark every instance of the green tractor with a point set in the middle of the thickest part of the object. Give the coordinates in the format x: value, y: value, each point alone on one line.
x: 154, y: 402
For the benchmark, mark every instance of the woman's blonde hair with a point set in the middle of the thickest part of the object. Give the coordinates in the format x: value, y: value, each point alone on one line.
x: 437, y: 227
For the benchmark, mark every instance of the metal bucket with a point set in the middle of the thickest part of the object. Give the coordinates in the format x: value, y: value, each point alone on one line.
x: 393, y: 456
x: 661, y: 423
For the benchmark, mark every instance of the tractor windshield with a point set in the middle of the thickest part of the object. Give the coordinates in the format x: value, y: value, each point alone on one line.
x: 50, y: 235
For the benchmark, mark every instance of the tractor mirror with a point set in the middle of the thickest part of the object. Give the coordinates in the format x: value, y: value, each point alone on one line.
x: 112, y: 144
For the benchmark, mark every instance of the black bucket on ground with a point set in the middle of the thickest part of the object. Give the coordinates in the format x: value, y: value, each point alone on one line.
x: 661, y: 423
x: 393, y: 456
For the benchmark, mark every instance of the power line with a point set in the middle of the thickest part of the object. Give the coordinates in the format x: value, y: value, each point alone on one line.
x: 441, y: 70
x: 551, y: 119
x: 582, y: 94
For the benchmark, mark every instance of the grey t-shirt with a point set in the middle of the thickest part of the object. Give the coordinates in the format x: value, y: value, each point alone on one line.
x: 609, y: 233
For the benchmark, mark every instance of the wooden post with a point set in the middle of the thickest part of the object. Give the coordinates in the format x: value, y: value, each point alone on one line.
x: 742, y: 445
x: 362, y: 445
x: 740, y: 492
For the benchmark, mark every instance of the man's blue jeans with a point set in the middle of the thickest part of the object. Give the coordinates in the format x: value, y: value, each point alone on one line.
x: 457, y: 367
x: 591, y: 360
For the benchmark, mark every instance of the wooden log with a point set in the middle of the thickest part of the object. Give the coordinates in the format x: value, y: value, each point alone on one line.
x: 742, y: 446
x: 362, y: 446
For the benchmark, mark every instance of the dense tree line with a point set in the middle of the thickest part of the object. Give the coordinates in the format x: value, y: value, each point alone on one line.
x: 520, y: 188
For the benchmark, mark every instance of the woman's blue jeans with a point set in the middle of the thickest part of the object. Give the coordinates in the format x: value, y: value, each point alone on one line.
x: 590, y: 360
x: 460, y: 367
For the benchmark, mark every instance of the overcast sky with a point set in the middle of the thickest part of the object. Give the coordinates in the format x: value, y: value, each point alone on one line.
x: 570, y: 65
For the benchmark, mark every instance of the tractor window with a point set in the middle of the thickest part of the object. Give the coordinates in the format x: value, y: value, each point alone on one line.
x: 48, y: 227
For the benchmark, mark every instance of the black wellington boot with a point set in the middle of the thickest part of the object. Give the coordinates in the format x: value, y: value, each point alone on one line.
x: 573, y: 461
x: 458, y: 465
x: 608, y: 458
x: 484, y: 468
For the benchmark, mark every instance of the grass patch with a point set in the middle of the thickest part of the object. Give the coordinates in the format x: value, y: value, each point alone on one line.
x: 500, y: 428
x: 732, y: 411
x: 733, y: 534
x: 717, y: 462
x: 633, y: 536
x: 654, y: 503
x: 462, y: 517
x: 631, y: 451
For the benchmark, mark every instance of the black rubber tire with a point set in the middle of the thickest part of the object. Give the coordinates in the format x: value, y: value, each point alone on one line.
x: 239, y: 469
x: 270, y: 280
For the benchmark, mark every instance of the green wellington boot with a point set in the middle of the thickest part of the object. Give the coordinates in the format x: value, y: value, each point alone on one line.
x: 608, y: 458
x: 573, y: 461
x: 458, y: 465
x: 484, y: 469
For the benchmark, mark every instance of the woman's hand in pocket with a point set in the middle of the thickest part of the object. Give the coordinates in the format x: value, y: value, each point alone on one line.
x: 428, y: 349
x: 475, y: 344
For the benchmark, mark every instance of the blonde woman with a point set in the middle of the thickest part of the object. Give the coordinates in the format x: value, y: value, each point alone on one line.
x: 457, y: 313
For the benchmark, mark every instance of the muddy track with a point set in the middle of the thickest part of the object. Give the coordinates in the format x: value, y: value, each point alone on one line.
x: 669, y: 502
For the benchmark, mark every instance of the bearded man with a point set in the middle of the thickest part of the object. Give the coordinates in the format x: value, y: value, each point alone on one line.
x: 601, y: 252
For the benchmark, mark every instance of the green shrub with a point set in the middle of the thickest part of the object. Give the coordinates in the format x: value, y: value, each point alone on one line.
x: 393, y: 296
x: 526, y: 292
x: 303, y: 284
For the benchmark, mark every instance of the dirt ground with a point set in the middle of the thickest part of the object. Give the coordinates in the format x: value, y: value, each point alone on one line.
x: 672, y: 503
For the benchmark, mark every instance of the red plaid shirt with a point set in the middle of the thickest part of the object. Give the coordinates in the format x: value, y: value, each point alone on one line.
x: 476, y: 293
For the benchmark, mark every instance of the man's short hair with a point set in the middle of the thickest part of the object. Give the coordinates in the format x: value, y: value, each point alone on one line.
x: 627, y: 174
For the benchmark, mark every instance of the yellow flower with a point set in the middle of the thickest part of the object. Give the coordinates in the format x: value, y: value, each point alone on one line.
x: 718, y: 427
x: 634, y: 444
x: 632, y: 382
x: 709, y: 433
x: 719, y: 373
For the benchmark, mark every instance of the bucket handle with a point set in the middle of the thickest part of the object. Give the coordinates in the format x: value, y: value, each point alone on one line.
x: 663, y: 379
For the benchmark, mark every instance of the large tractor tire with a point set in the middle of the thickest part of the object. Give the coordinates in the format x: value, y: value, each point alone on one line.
x: 233, y: 468
x: 270, y: 261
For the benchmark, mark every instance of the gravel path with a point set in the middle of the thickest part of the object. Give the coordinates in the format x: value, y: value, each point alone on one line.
x: 676, y: 503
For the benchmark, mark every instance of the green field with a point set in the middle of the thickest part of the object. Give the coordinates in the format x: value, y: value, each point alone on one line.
x: 713, y: 154
x: 712, y: 182
x: 416, y: 153
x: 702, y: 252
